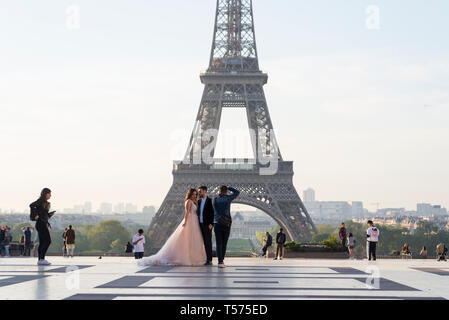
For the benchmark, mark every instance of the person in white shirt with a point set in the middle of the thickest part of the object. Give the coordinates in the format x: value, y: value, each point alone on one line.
x: 372, y: 235
x: 138, y: 242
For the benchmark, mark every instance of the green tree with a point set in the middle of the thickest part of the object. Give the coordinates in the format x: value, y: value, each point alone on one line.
x: 108, y: 236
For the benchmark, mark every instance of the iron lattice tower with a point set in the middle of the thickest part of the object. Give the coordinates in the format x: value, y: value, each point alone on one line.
x: 234, y: 80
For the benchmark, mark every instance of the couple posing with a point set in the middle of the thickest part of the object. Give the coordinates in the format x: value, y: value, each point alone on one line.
x: 191, y: 243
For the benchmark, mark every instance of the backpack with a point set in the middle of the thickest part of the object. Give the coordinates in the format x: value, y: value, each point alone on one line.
x: 33, y: 211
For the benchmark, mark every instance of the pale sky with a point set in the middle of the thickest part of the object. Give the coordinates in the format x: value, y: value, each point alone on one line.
x: 99, y: 113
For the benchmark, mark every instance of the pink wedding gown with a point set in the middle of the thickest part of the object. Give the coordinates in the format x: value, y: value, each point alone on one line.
x: 185, y: 247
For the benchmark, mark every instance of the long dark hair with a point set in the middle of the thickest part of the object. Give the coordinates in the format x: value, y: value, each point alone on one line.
x: 190, y: 194
x: 43, y: 198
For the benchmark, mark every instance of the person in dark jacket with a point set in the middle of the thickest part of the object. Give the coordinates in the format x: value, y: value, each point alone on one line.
x: 27, y: 234
x: 342, y: 235
x: 40, y: 211
x: 206, y: 218
x: 268, y: 243
x: 2, y: 239
x: 223, y: 221
x: 70, y: 241
x: 280, y: 243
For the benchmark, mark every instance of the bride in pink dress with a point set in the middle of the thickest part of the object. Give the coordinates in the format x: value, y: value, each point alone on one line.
x: 185, y: 247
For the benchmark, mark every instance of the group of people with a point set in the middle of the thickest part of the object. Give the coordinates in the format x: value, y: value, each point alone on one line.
x: 191, y: 243
x: 280, y: 244
x: 348, y: 241
x: 441, y: 251
x: 68, y: 248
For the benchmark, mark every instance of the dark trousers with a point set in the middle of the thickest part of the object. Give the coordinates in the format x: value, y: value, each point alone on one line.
x: 44, y: 239
x: 138, y: 255
x: 372, y: 250
x: 207, y: 238
x: 264, y: 249
x: 27, y: 249
x: 343, y: 243
x: 221, y: 236
x: 279, y: 250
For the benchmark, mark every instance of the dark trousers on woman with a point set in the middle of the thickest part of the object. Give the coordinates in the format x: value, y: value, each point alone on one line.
x: 207, y: 237
x: 221, y: 237
x: 44, y: 239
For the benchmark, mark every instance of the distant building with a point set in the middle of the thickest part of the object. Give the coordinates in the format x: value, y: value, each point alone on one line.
x: 130, y: 208
x: 149, y: 210
x: 426, y: 209
x: 87, y: 207
x: 357, y: 210
x: 245, y: 227
x: 329, y: 209
x: 105, y: 208
x: 308, y: 195
x: 119, y: 208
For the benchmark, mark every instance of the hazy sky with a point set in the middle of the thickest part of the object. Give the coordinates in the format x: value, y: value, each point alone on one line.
x: 99, y: 112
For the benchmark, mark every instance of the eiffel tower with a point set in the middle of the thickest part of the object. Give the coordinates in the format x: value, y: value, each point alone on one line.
x: 234, y: 80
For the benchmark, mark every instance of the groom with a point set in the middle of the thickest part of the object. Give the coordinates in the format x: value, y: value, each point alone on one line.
x: 206, y: 217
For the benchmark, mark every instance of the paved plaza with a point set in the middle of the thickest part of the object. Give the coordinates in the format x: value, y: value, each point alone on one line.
x: 245, y: 278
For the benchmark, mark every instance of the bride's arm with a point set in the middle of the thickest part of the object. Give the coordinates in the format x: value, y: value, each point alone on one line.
x: 188, y: 209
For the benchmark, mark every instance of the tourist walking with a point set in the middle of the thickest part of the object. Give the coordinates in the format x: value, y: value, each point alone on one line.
x: 280, y: 244
x: 2, y: 240
x: 64, y: 244
x: 27, y: 235
x: 223, y: 220
x: 40, y: 212
x: 343, y: 237
x: 138, y: 242
x: 372, y: 234
x: 268, y: 243
x: 351, y: 245
x: 70, y: 241
x: 7, y: 241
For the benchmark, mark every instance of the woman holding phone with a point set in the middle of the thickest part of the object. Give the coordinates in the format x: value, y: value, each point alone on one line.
x: 40, y: 212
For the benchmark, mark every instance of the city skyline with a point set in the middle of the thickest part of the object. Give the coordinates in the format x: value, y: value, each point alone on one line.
x: 373, y: 103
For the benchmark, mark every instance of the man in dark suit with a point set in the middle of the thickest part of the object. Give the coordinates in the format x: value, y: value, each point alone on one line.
x: 206, y: 217
x: 280, y: 242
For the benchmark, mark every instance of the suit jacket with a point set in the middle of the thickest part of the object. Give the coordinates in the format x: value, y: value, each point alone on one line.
x: 208, y: 212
